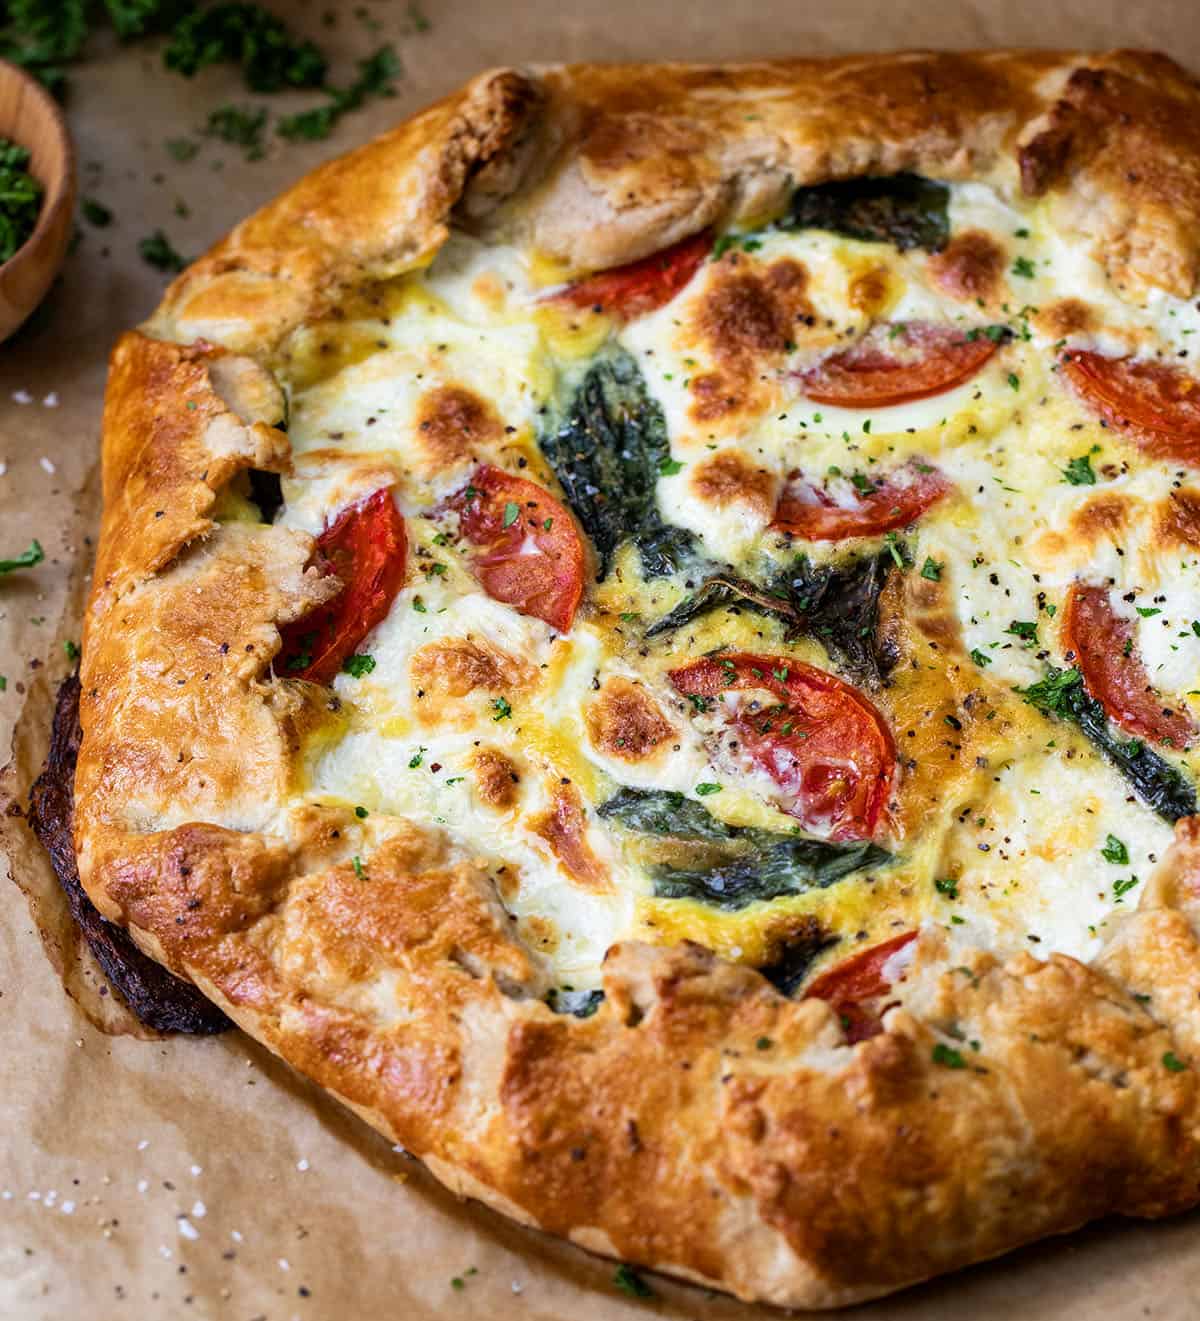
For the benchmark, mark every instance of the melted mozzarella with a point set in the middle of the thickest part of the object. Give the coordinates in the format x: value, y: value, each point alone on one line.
x: 1022, y: 843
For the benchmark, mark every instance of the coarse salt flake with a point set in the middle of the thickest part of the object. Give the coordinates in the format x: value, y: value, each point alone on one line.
x: 284, y: 1264
x: 143, y: 1144
x: 142, y: 1185
x: 67, y: 1208
x: 199, y: 1210
x: 187, y: 1229
x: 302, y: 1165
x: 51, y: 400
x: 47, y: 466
x: 22, y: 397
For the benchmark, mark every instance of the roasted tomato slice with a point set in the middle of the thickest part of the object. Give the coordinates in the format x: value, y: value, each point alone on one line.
x: 633, y: 290
x: 528, y: 551
x: 857, y: 980
x: 367, y: 548
x: 808, y: 511
x: 896, y: 364
x: 1113, y: 673
x: 825, y: 746
x: 1157, y: 402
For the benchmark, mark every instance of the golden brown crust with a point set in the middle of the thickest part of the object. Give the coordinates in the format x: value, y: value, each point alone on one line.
x: 700, y: 1121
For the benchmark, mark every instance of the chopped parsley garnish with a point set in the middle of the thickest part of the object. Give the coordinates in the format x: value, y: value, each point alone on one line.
x: 1147, y: 611
x: 358, y: 665
x: 1025, y: 629
x: 156, y: 251
x: 3, y: 683
x: 980, y: 658
x: 948, y: 1057
x: 932, y: 570
x: 630, y: 1282
x: 20, y: 198
x: 700, y: 703
x: 182, y: 149
x: 95, y: 213
x: 895, y: 549
x: 240, y: 125
x: 359, y: 870
x: 668, y: 466
x: 703, y: 790
x: 946, y: 885
x: 361, y: 813
x: 502, y: 709
x: 419, y: 606
x: 1079, y: 471
x: 26, y: 559
x: 512, y: 511
x: 1014, y: 380
x: 1114, y: 851
x: 763, y: 1043
x: 1123, y: 887
x: 1172, y: 1062
x: 72, y: 650
x: 375, y: 78
x: 415, y: 760
x: 271, y: 57
x: 1024, y: 268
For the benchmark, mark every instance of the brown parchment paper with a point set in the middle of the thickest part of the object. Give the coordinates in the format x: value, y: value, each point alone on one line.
x: 201, y: 1178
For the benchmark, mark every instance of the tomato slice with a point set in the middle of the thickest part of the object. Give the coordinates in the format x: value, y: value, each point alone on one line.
x: 856, y: 979
x: 642, y: 286
x: 806, y: 510
x: 896, y: 364
x: 1113, y: 673
x: 529, y: 552
x: 366, y: 546
x: 821, y: 741
x: 1157, y: 402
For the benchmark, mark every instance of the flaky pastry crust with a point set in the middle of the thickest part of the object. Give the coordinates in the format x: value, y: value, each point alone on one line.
x: 812, y: 1173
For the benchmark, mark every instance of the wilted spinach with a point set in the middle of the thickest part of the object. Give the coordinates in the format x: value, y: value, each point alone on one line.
x: 760, y: 865
x: 608, y: 452
x: 1155, y: 781
x: 903, y: 209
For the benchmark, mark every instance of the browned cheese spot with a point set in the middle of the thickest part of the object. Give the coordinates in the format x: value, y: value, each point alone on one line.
x: 1177, y: 520
x: 870, y: 290
x: 1103, y: 518
x: 1067, y: 316
x: 748, y: 315
x: 731, y: 478
x: 562, y: 826
x: 453, y: 423
x: 442, y: 673
x: 969, y: 266
x: 496, y: 778
x: 624, y: 721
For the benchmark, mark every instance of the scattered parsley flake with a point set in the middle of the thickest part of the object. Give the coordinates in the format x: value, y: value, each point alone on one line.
x: 72, y: 650
x: 1147, y: 611
x: 1025, y: 629
x: 359, y: 870
x: 668, y: 467
x: 1172, y: 1062
x: 1079, y: 471
x: 358, y: 665
x: 512, y: 511
x: 95, y: 213
x: 156, y: 250
x: 1024, y: 268
x: 630, y: 1282
x: 361, y: 813
x: 1114, y: 851
x: 948, y: 1057
x: 932, y: 570
x: 26, y: 559
x: 980, y: 658
x: 946, y: 885
x: 502, y: 708
x: 1123, y: 887
x: 703, y: 790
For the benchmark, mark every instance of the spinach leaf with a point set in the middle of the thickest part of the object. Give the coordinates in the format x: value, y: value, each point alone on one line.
x: 903, y: 209
x: 836, y: 604
x: 607, y: 453
x: 664, y: 812
x: 1155, y: 781
x: 795, y: 953
x: 786, y: 865
x: 839, y: 605
x: 724, y: 589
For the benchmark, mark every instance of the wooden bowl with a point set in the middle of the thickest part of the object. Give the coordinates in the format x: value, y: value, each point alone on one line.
x: 32, y: 119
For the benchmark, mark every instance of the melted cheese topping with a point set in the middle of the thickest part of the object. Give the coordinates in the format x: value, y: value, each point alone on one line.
x: 487, y: 724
